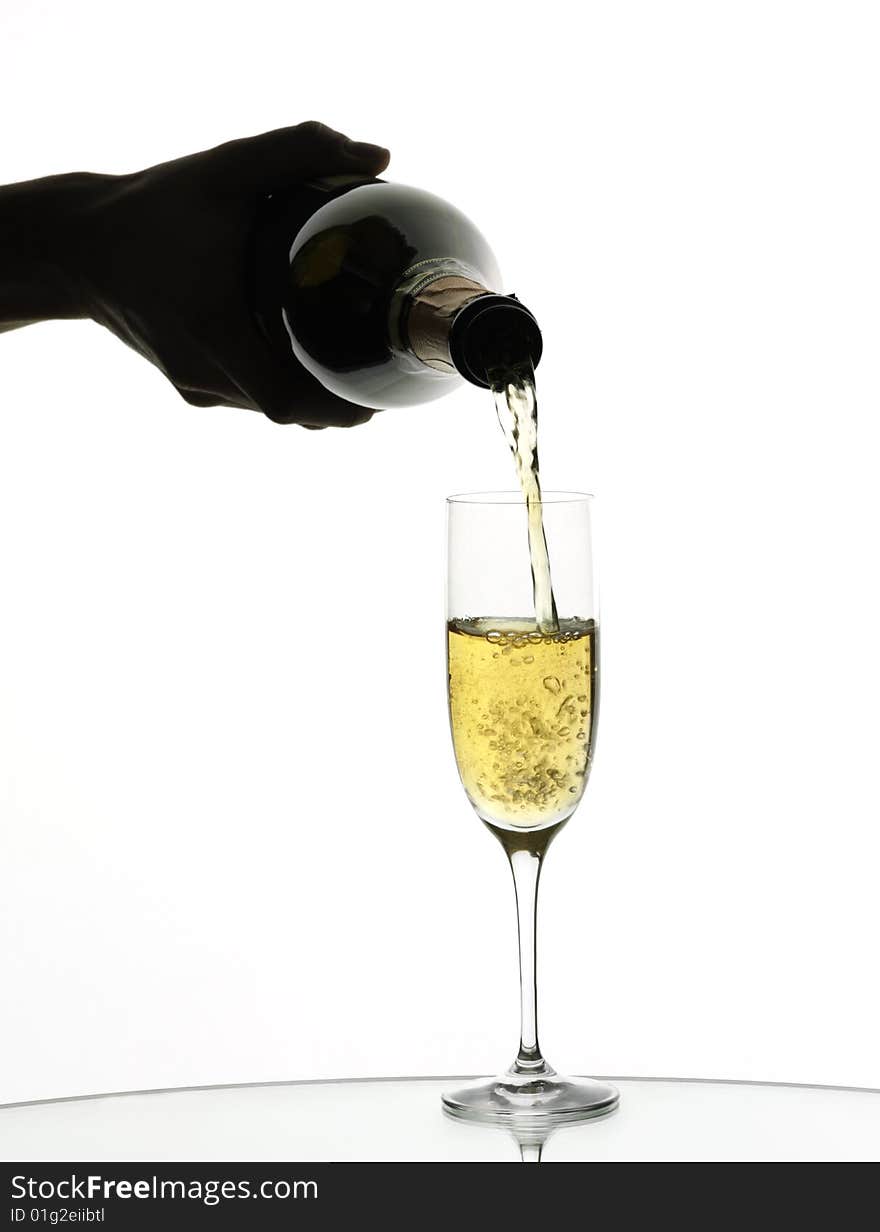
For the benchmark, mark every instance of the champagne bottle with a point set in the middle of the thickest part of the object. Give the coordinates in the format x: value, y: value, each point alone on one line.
x: 387, y: 294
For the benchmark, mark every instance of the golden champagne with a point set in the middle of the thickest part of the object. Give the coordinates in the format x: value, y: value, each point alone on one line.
x: 523, y: 709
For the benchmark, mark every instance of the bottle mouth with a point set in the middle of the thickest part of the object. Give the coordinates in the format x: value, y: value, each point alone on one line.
x: 492, y: 334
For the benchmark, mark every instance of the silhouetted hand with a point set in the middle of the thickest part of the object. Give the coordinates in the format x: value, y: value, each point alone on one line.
x: 159, y: 258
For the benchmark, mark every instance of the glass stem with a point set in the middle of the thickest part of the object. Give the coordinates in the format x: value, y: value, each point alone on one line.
x: 526, y: 868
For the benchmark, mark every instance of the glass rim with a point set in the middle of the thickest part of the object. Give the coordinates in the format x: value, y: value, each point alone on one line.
x: 513, y: 497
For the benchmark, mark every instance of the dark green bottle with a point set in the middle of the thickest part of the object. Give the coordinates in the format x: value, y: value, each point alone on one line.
x: 387, y: 294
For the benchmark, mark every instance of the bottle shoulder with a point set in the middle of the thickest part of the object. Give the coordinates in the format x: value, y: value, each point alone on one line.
x: 400, y: 226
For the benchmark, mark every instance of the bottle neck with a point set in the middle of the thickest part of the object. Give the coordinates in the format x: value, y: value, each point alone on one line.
x: 444, y: 317
x: 424, y: 306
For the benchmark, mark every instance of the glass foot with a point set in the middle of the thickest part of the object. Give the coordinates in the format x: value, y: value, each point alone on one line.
x: 544, y: 1098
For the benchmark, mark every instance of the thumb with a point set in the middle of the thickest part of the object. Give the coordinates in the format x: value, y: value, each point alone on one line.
x: 288, y: 155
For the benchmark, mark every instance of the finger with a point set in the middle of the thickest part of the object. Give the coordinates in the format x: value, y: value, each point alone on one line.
x: 288, y: 155
x: 316, y: 407
x: 305, y: 402
x: 196, y: 398
x: 205, y: 397
x: 284, y: 392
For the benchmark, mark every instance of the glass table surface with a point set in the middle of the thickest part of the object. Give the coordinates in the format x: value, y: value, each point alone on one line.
x: 400, y: 1119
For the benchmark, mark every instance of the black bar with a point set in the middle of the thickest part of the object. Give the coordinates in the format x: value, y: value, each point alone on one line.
x: 287, y: 1195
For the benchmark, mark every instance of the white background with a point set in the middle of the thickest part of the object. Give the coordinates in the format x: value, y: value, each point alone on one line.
x: 229, y: 854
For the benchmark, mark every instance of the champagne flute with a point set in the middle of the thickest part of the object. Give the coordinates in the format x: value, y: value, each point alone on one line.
x: 522, y: 705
